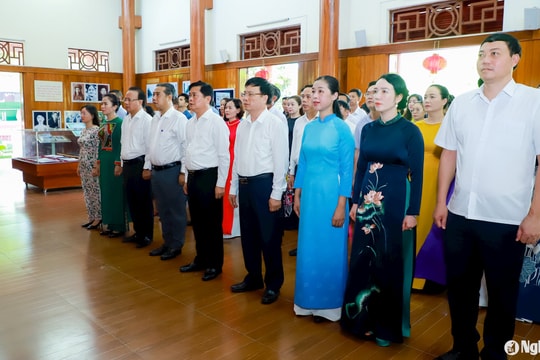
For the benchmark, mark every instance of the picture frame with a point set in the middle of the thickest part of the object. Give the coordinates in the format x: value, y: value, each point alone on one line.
x: 221, y: 94
x: 46, y: 120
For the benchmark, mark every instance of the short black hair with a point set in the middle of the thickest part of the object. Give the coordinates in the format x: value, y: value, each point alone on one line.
x: 206, y: 89
x: 511, y: 42
x: 263, y: 84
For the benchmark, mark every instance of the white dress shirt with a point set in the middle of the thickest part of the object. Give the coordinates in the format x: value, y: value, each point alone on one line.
x: 496, y: 142
x: 136, y: 136
x: 261, y: 146
x: 351, y: 124
x: 274, y: 110
x: 298, y: 132
x: 121, y: 112
x: 207, y: 144
x: 358, y: 115
x: 167, y: 138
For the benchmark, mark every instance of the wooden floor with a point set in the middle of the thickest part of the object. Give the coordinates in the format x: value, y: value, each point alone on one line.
x: 67, y: 293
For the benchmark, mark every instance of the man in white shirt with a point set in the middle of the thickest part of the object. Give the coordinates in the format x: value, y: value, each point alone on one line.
x: 298, y: 132
x: 166, y: 154
x: 346, y: 115
x: 135, y: 142
x: 491, y: 140
x: 271, y: 104
x: 357, y: 113
x: 207, y: 164
x: 260, y: 164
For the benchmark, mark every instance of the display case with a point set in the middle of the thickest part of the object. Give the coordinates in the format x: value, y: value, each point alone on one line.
x: 49, y: 159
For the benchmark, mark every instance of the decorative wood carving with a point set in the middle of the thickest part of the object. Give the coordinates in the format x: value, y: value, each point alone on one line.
x: 173, y: 58
x: 446, y: 18
x: 11, y: 53
x: 285, y: 41
x: 88, y: 60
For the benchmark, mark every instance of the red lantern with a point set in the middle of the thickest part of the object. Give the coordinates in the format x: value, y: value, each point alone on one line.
x: 263, y: 73
x: 434, y: 63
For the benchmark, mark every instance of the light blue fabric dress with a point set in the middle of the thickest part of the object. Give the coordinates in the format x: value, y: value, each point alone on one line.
x: 324, y: 173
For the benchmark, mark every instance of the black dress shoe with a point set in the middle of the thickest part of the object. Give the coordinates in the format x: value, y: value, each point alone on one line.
x: 130, y: 239
x: 293, y: 252
x: 115, y: 234
x: 86, y: 225
x: 158, y: 251
x: 269, y: 296
x: 93, y: 227
x: 105, y: 232
x: 170, y: 254
x: 210, y: 274
x: 143, y: 242
x: 245, y: 286
x: 191, y: 267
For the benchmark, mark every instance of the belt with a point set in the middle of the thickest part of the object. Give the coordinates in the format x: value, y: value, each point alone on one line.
x: 200, y: 171
x: 248, y: 179
x: 138, y: 159
x: 166, y: 166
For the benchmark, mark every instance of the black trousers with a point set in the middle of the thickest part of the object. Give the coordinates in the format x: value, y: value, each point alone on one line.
x: 261, y: 232
x: 206, y: 218
x: 139, y: 198
x: 471, y: 248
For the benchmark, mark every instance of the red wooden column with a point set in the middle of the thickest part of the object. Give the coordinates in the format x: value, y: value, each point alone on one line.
x: 197, y: 35
x: 328, y: 38
x: 128, y: 22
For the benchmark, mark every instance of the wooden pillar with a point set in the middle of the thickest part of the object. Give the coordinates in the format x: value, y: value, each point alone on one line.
x: 197, y: 35
x: 328, y: 40
x: 128, y: 22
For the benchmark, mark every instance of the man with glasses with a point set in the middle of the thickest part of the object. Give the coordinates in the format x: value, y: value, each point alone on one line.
x: 135, y: 141
x: 166, y: 154
x: 258, y: 177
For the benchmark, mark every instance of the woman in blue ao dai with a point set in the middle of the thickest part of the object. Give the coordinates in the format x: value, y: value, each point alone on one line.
x: 323, y: 183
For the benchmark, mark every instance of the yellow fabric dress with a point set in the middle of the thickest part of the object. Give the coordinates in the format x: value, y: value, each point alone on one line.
x: 432, y: 155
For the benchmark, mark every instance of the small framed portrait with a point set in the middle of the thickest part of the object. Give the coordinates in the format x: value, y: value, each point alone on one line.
x: 150, y: 92
x: 72, y: 117
x: 40, y: 120
x: 185, y: 86
x: 91, y: 92
x: 54, y: 120
x: 103, y: 89
x: 220, y: 94
x: 77, y: 92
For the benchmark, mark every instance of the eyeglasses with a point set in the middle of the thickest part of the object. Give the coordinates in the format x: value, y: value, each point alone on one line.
x: 129, y: 100
x: 249, y: 94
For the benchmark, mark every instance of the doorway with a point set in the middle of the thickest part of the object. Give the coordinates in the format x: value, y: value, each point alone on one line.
x: 10, y: 114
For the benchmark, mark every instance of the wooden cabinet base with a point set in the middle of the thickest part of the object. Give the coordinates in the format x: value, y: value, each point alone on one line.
x: 48, y: 176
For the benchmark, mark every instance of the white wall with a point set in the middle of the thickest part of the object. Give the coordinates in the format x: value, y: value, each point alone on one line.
x: 514, y: 18
x: 48, y: 28
x: 164, y: 22
x: 231, y: 18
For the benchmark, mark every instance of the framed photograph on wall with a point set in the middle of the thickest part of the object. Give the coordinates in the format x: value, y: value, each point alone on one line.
x: 103, y: 89
x: 46, y: 120
x: 149, y: 92
x: 77, y: 92
x: 222, y: 94
x: 151, y: 87
x: 185, y: 86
